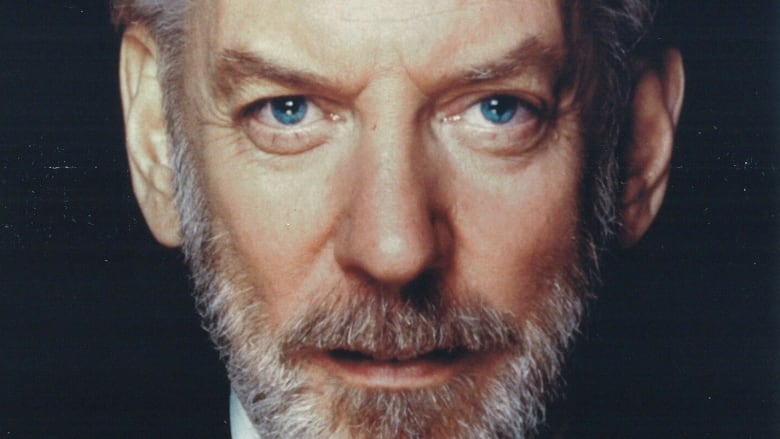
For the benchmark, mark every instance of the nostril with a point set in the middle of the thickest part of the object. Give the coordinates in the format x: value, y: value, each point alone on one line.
x: 424, y: 292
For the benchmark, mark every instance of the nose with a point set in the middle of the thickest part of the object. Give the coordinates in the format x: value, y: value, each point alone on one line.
x: 387, y: 232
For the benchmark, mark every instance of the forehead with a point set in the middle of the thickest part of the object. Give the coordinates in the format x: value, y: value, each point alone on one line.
x: 344, y: 35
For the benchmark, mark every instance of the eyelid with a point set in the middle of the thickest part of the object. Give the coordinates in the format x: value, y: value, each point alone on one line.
x: 327, y: 107
x: 276, y: 138
x: 450, y: 108
x: 460, y: 124
x: 262, y: 105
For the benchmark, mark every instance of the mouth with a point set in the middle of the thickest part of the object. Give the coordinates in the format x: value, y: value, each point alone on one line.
x: 406, y: 370
x: 443, y: 355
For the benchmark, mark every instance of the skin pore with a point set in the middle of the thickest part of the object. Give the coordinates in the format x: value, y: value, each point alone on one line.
x: 386, y: 206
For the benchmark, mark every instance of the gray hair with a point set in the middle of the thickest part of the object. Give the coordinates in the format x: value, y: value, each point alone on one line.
x: 605, y: 33
x: 165, y: 21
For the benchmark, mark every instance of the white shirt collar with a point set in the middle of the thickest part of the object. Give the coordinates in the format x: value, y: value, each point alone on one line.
x: 240, y: 426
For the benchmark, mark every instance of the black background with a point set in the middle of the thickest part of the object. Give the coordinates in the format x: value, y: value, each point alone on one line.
x: 97, y: 332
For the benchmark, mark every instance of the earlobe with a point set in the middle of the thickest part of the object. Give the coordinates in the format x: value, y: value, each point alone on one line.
x: 146, y: 139
x: 655, y: 112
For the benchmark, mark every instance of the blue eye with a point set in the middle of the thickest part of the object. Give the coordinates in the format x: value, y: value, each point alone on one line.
x: 499, y: 109
x: 289, y: 110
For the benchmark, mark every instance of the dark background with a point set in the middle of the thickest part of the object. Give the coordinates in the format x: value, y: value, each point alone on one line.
x: 97, y: 332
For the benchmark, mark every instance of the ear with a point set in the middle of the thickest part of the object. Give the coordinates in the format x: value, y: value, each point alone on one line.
x: 146, y: 139
x: 655, y: 112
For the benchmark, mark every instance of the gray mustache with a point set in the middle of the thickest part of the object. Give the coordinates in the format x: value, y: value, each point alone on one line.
x: 390, y: 327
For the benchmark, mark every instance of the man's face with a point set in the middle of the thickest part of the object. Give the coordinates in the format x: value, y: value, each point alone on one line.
x: 392, y: 193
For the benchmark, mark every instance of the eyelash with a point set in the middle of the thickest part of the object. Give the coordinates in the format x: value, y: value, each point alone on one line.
x: 280, y: 138
x: 523, y: 105
x: 514, y: 135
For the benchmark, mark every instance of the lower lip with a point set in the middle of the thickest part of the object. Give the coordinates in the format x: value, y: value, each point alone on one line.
x: 425, y: 371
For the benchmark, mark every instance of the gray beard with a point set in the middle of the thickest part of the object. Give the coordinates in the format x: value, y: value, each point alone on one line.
x: 282, y: 403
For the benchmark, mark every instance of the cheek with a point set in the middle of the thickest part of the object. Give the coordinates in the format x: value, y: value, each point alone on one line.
x: 276, y: 224
x: 518, y: 233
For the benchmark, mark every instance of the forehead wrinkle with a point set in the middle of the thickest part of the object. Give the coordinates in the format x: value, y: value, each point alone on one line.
x: 409, y: 15
x: 235, y: 68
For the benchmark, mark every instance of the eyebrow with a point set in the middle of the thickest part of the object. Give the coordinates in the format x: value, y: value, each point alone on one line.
x: 529, y: 54
x: 235, y: 68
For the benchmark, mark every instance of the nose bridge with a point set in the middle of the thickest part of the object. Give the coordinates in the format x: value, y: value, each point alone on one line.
x: 387, y: 231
